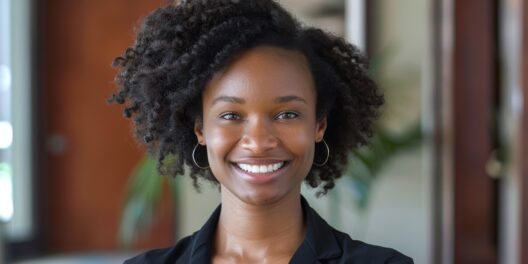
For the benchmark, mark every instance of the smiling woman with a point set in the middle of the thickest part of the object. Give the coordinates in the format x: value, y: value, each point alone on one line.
x: 260, y: 112
x: 248, y: 98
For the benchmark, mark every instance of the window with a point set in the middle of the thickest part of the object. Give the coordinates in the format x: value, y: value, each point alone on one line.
x: 16, y: 207
x: 6, y: 129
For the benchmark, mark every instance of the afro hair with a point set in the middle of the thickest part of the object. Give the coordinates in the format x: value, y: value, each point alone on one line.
x: 181, y: 46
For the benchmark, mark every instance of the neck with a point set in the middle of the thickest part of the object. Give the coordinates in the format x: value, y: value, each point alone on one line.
x: 256, y: 231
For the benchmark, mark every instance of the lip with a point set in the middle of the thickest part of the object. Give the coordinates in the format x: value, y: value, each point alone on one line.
x: 259, y: 161
x: 260, y: 178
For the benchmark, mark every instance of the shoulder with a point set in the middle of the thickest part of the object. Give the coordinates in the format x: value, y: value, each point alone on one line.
x: 331, y: 246
x: 361, y: 252
x: 180, y: 253
x: 195, y: 248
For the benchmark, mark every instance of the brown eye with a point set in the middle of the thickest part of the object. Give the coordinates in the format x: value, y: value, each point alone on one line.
x: 230, y: 116
x: 287, y: 115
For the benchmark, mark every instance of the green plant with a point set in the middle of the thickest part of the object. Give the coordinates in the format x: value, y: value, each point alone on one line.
x: 144, y: 192
x: 365, y: 163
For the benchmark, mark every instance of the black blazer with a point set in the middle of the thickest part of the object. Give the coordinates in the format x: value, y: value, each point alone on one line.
x: 322, y: 244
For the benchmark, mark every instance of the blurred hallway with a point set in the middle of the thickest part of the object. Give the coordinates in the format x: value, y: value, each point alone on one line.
x: 455, y: 75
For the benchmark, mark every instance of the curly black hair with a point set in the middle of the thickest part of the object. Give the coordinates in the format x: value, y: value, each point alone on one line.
x: 181, y: 46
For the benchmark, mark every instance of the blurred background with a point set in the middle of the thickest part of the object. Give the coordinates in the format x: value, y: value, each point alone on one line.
x: 445, y: 179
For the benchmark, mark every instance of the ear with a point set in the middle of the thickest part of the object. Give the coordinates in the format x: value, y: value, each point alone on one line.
x: 320, y: 128
x: 198, y: 131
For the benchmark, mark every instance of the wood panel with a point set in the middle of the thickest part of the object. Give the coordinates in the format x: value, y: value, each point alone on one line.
x: 473, y: 90
x: 87, y: 148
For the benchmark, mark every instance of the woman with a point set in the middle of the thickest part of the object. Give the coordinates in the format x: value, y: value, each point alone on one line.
x: 244, y: 96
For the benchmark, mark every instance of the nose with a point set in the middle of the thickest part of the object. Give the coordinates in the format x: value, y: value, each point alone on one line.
x: 259, y: 136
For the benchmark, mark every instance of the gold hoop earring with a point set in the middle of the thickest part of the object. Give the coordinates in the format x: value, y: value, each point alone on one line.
x: 327, y: 156
x: 194, y: 159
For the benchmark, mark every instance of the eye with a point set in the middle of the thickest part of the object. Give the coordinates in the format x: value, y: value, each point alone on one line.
x: 287, y: 115
x: 230, y: 116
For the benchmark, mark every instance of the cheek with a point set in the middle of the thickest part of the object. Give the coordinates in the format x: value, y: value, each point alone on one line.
x: 300, y: 140
x: 302, y: 145
x: 220, y: 141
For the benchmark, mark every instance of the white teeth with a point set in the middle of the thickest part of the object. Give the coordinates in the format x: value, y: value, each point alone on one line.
x: 260, y: 168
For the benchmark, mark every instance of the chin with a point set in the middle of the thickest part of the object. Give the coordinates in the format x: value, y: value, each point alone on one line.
x: 260, y: 198
x: 268, y: 195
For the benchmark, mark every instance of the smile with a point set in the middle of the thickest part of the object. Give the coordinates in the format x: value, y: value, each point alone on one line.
x: 263, y: 168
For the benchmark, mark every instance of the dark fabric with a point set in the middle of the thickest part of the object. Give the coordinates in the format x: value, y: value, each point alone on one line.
x: 322, y: 244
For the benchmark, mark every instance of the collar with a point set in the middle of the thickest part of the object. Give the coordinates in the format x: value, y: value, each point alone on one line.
x: 202, y: 247
x: 319, y: 241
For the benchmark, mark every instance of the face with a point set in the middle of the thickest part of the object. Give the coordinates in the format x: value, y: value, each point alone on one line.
x: 259, y: 125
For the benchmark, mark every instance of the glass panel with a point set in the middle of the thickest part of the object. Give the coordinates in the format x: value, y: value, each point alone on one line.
x: 511, y: 106
x: 6, y: 130
x: 387, y: 199
x: 15, y: 119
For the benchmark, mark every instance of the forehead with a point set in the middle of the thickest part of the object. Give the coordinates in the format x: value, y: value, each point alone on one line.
x: 263, y: 71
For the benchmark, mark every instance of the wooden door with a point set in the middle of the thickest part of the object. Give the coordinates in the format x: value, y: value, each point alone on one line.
x: 87, y: 149
x: 474, y: 96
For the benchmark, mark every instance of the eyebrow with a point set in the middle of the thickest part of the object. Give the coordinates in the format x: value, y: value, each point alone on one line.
x: 229, y: 99
x: 238, y: 100
x: 288, y: 98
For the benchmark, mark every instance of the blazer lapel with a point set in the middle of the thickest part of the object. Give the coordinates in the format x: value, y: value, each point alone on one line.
x: 201, y: 251
x: 319, y: 242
